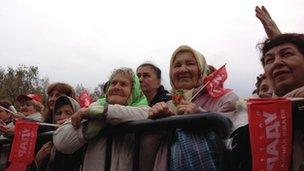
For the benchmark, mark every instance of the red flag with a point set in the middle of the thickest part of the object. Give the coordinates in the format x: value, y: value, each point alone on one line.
x: 23, y: 148
x: 85, y: 99
x: 214, y: 82
x: 270, y: 127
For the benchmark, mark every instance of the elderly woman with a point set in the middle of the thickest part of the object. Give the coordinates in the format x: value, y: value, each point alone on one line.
x: 282, y: 58
x: 150, y: 81
x: 124, y: 102
x: 188, y: 68
x: 149, y: 77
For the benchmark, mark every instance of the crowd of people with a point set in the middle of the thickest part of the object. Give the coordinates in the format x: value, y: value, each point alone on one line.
x: 137, y: 95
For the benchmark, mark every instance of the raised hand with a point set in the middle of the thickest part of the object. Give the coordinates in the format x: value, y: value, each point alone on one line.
x: 269, y: 25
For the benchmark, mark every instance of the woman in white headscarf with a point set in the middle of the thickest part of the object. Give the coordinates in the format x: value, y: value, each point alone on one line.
x: 188, y: 68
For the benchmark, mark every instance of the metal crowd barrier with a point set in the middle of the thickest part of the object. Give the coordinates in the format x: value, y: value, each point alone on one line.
x: 205, y: 121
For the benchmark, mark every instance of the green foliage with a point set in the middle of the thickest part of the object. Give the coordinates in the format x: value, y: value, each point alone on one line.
x: 21, y: 80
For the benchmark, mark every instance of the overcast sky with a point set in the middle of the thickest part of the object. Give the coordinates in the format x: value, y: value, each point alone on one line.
x: 83, y: 41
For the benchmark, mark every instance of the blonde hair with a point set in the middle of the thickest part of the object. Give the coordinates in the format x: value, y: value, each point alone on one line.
x: 37, y: 105
x: 124, y: 71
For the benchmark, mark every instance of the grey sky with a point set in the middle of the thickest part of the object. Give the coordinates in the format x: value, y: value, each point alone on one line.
x: 83, y: 41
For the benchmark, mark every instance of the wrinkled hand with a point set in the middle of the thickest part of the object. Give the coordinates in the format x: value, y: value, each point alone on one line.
x: 186, y: 108
x: 160, y: 110
x: 44, y: 151
x: 299, y: 92
x: 78, y: 116
x: 270, y: 26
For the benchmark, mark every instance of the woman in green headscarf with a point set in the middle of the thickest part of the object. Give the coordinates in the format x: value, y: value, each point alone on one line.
x: 124, y: 101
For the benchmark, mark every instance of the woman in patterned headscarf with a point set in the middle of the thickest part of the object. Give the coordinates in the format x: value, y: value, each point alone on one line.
x: 188, y: 68
x: 124, y: 101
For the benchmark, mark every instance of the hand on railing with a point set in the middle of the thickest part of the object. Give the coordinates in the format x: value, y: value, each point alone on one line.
x: 186, y: 107
x: 160, y: 110
x: 78, y: 116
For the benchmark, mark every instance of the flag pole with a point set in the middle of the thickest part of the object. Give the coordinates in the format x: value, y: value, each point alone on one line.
x: 9, y: 111
x: 40, y: 123
x: 48, y: 124
x: 199, y: 91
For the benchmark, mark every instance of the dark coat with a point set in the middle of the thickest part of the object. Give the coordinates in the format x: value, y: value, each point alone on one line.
x: 161, y: 96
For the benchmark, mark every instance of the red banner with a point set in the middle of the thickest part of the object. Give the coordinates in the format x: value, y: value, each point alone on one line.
x: 23, y: 148
x: 215, y: 82
x: 270, y: 127
x: 84, y: 99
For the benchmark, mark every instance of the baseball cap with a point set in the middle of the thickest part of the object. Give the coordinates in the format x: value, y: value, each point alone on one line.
x: 35, y: 97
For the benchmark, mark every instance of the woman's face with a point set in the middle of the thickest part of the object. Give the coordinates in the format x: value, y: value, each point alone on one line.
x: 148, y: 79
x: 52, y: 97
x: 4, y: 116
x: 185, y: 71
x: 284, y: 67
x: 64, y: 112
x: 265, y: 89
x: 119, y: 89
x: 27, y: 107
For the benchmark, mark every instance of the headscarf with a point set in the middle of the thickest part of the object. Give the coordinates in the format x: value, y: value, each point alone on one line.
x: 183, y: 154
x: 136, y: 98
x: 65, y: 100
x: 200, y: 59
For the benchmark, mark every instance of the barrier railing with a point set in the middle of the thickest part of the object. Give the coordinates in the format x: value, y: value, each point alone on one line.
x: 205, y: 121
